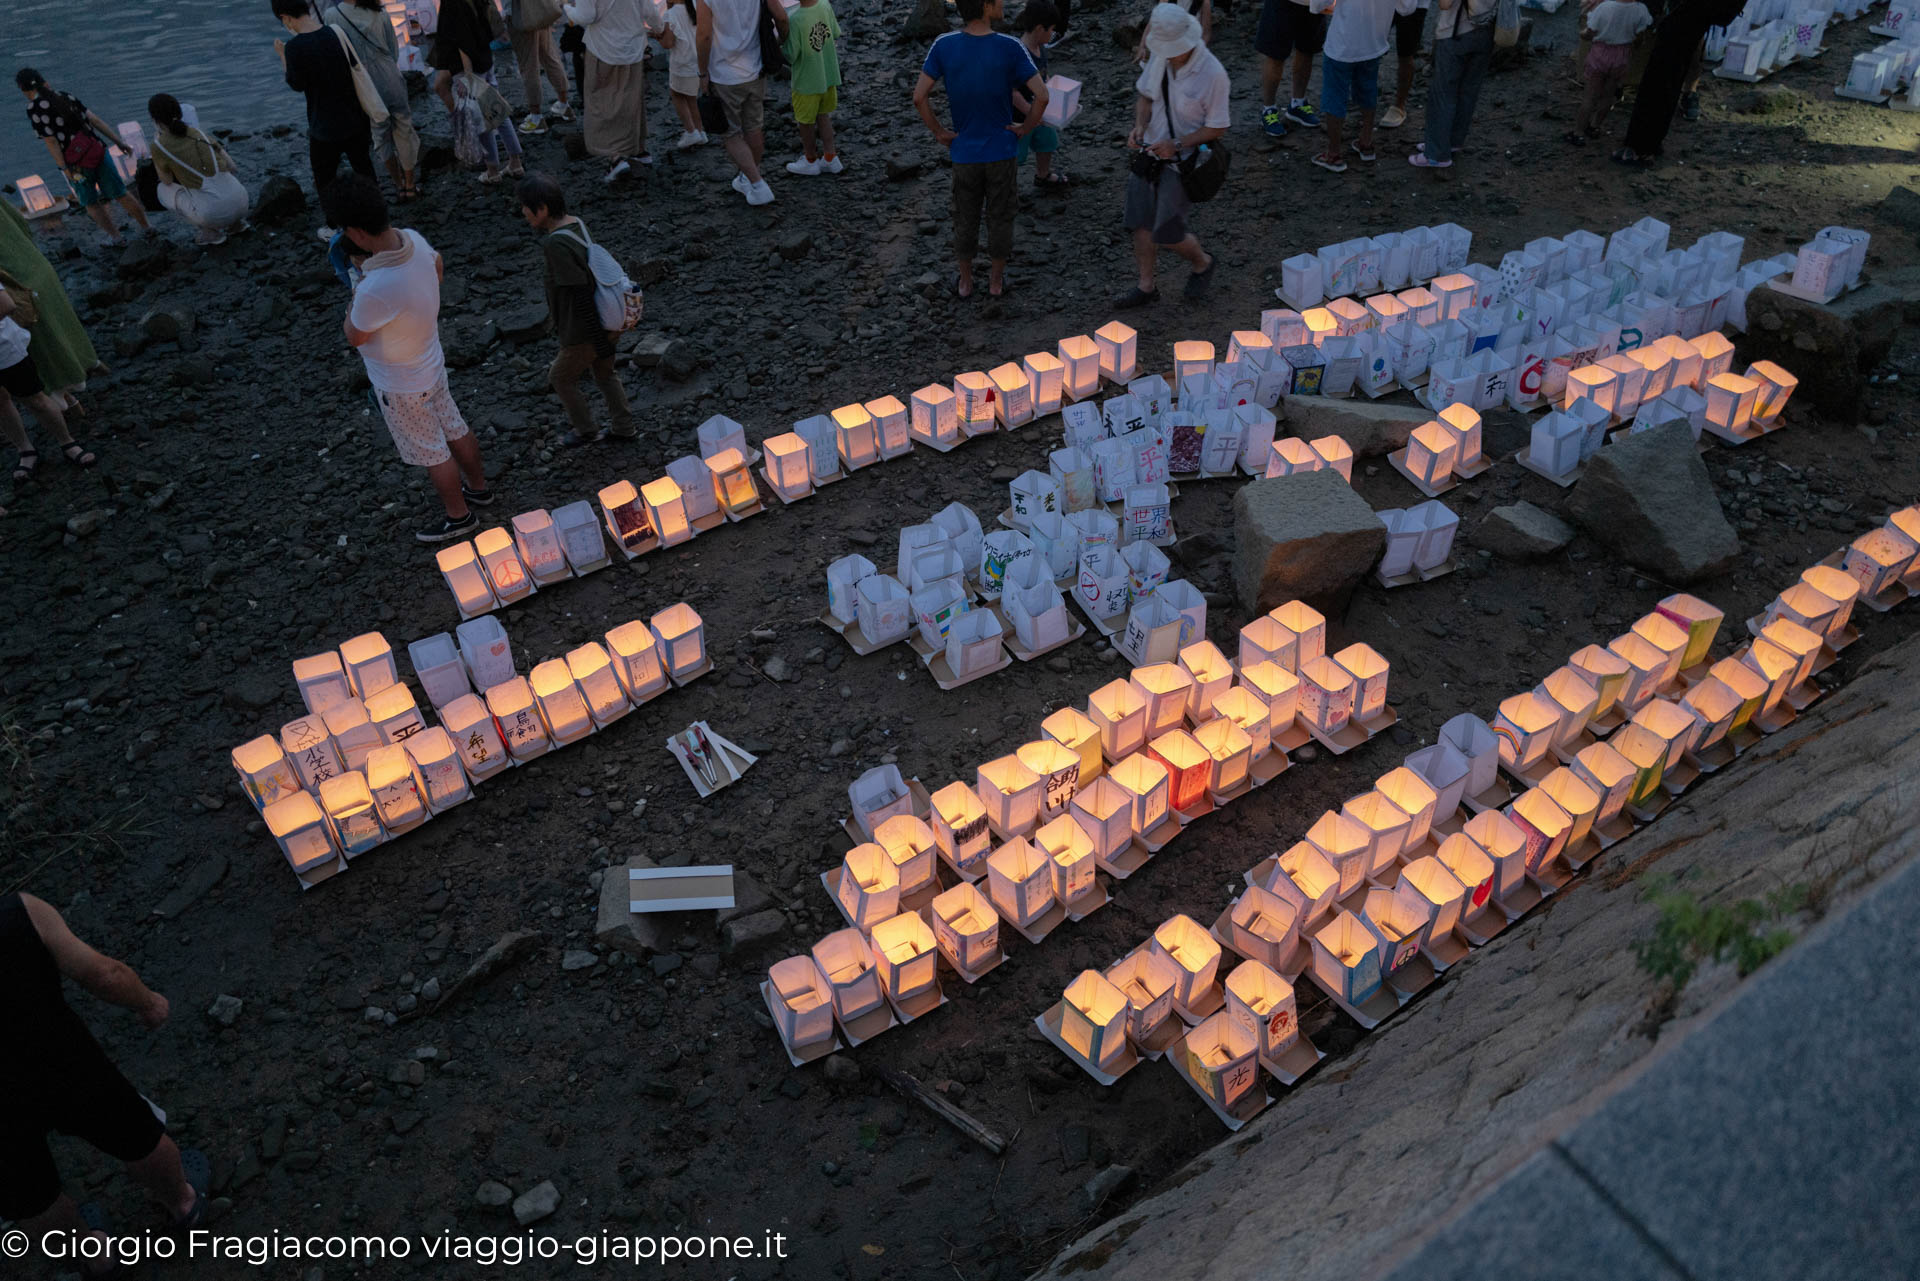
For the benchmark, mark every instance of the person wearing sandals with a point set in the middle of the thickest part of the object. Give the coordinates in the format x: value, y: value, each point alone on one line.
x: 396, y: 143
x: 1614, y: 25
x: 81, y: 143
x: 1462, y: 53
x: 1036, y: 24
x: 1350, y: 73
x: 393, y: 323
x: 197, y: 178
x: 55, y: 1077
x: 1184, y: 70
x: 20, y: 381
x: 585, y: 344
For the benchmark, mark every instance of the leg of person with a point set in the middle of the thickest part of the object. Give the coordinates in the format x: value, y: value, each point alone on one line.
x: 443, y: 88
x: 806, y: 112
x: 525, y: 57
x: 969, y: 194
x: 564, y: 375
x: 1473, y: 74
x: 473, y: 471
x: 406, y: 150
x: 615, y: 394
x: 30, y: 1192
x: 1146, y: 257
x: 829, y: 147
x: 1002, y: 202
x: 100, y: 1106
x: 1443, y: 96
x: 160, y: 1173
x: 1309, y: 33
x: 490, y: 149
x: 16, y: 433
x: 1603, y: 87
x: 1273, y: 42
x: 1690, y: 87
x: 414, y: 420
x: 734, y: 100
x: 807, y: 142
x: 136, y: 211
x: 360, y: 156
x: 103, y: 219
x: 547, y: 54
x: 1366, y: 96
x: 1408, y: 29
x: 46, y: 407
x: 1043, y: 160
x: 1336, y: 87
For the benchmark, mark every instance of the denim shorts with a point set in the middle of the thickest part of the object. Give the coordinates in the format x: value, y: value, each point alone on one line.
x: 1342, y: 83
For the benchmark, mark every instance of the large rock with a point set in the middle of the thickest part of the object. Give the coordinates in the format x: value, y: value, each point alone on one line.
x: 280, y: 199
x: 1648, y: 499
x: 1878, y: 309
x: 1521, y: 531
x: 1308, y: 537
x: 617, y: 926
x: 523, y: 324
x: 1370, y: 427
x: 1811, y: 342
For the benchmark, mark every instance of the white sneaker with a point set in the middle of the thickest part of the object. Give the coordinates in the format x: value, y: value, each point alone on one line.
x: 687, y: 140
x: 560, y: 111
x: 760, y: 193
x: 831, y: 165
x: 644, y: 158
x: 618, y: 170
x: 741, y: 185
x: 804, y: 167
x: 534, y: 123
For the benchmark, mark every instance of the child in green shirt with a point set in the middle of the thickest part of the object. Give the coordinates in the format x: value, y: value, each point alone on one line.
x: 813, y: 54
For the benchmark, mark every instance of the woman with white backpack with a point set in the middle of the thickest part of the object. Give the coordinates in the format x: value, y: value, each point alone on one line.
x: 589, y: 300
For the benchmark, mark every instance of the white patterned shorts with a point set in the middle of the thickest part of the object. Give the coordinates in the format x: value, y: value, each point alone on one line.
x: 421, y: 423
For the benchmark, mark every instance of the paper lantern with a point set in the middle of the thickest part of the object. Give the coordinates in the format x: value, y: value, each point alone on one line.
x: 436, y: 763
x: 1147, y: 980
x: 1080, y: 358
x: 1080, y: 735
x: 1773, y: 387
x: 823, y: 457
x: 1730, y: 402
x: 1249, y: 714
x: 1497, y: 837
x: 1265, y: 927
x: 789, y: 469
x: 1878, y: 560
x: 1116, y: 343
x: 1101, y: 813
x: 1674, y: 724
x: 579, y: 530
x: 1699, y: 620
x: 561, y: 704
x: 1672, y: 640
x: 1045, y: 375
x: 1307, y: 880
x: 352, y: 730
x: 1187, y: 601
x: 1057, y: 768
x: 1525, y: 727
x: 538, y: 545
x: 935, y: 417
x: 636, y: 656
x: 1413, y: 797
x: 351, y: 814
x: 476, y: 735
x: 1399, y: 924
x: 1713, y: 705
x: 1279, y: 689
x: 436, y: 661
x: 1009, y: 402
x: 300, y: 828
x: 1609, y: 775
x: 393, y: 714
x: 1605, y: 671
x: 1646, y: 753
x: 322, y: 680
x: 1292, y: 456
x: 398, y: 794
x: 682, y: 638
x: 1544, y: 827
x: 1189, y: 768
x: 1219, y: 1057
x: 627, y: 519
x: 1230, y: 750
x: 1573, y: 701
x: 1190, y: 358
x: 311, y: 750
x: 1801, y: 643
x: 1020, y: 882
x: 266, y: 775
x: 1578, y: 799
x: 802, y: 1002
x: 1308, y: 628
x: 1444, y: 770
x: 1645, y: 663
x: 1262, y: 1003
x: 1326, y: 695
x: 1840, y: 588
x: 1433, y: 893
x: 1011, y: 794
x: 506, y: 572
x: 1431, y: 453
x: 1779, y: 669
x: 1146, y: 783
x: 856, y: 440
x: 1074, y: 862
x: 1119, y: 710
x: 1346, y: 846
x: 1597, y: 383
x: 718, y: 434
x: 846, y: 962
x: 1193, y: 955
x: 465, y: 579
x: 869, y: 887
x: 1093, y: 1020
x: 1346, y: 958
x: 1385, y: 827
x: 1746, y: 685
x: 517, y: 714
x: 36, y: 200
x: 1335, y: 453
x: 1475, y: 740
x: 1265, y: 640
x: 1369, y: 672
x: 876, y: 796
x: 959, y: 822
x: 1165, y: 692
x: 1470, y: 866
x: 1211, y: 675
x: 1243, y: 343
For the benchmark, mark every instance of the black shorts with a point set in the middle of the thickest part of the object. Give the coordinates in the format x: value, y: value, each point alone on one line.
x: 1407, y: 30
x: 1286, y: 27
x: 21, y: 379
x: 85, y: 1097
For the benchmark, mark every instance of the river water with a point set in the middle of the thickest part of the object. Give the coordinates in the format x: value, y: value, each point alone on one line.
x: 115, y: 54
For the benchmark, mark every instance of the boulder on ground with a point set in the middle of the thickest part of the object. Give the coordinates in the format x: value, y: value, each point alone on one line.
x: 1307, y: 537
x: 280, y: 200
x: 1521, y: 531
x: 618, y: 927
x: 1371, y: 428
x: 1649, y: 500
x: 1812, y: 343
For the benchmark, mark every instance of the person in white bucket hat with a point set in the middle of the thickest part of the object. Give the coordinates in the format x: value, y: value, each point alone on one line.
x: 1181, y: 108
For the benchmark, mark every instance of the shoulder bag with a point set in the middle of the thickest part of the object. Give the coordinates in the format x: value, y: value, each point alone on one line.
x: 535, y: 15
x: 1204, y: 172
x: 363, y: 86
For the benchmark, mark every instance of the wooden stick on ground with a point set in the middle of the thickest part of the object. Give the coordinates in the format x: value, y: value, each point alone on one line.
x: 946, y: 1111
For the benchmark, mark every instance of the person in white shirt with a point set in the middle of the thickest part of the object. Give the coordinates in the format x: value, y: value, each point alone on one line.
x: 1180, y: 108
x: 394, y: 323
x: 727, y: 35
x: 615, y: 90
x: 1615, y: 25
x: 1407, y: 30
x: 1462, y: 53
x: 1350, y: 73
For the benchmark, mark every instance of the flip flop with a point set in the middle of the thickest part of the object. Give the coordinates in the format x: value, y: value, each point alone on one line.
x: 77, y: 454
x: 199, y: 1172
x: 23, y: 471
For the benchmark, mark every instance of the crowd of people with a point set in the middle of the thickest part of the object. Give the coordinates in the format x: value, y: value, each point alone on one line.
x: 342, y: 56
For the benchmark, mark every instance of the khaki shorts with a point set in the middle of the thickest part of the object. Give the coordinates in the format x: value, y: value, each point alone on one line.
x: 745, y: 105
x: 422, y: 423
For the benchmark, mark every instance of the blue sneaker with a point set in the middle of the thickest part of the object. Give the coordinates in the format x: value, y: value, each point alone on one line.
x: 1270, y: 122
x: 1304, y: 115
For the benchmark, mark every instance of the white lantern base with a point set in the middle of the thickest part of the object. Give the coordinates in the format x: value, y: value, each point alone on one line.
x: 1412, y: 978
x: 1129, y: 860
x: 1355, y: 732
x: 1445, y: 952
x: 1287, y: 962
x: 1090, y: 902
x: 1206, y: 1005
x: 907, y: 1009
x: 968, y: 976
x: 1733, y: 435
x: 1482, y: 924
x: 1566, y: 752
x: 1564, y: 480
x: 1678, y: 778
x: 921, y: 808
x: 943, y: 670
x: 1036, y: 931
x: 1108, y: 627
x: 1614, y: 830
x: 850, y: 632
x: 325, y: 871
x: 1012, y: 641
x: 1531, y: 776
x: 1162, y: 1038
x: 1370, y: 1013
x: 1399, y: 460
x: 860, y: 1030
x: 1523, y: 898
x: 1553, y: 877
x: 682, y: 679
x: 1497, y: 796
x: 1050, y: 1023
x: 1300, y: 1057
x: 805, y: 1054
x: 1413, y: 576
x: 1245, y: 1108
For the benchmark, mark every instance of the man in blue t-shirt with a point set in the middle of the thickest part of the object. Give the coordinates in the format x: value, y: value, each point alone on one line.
x: 981, y: 68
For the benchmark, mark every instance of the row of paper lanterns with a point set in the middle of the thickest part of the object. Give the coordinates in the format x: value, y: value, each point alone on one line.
x: 1100, y: 790
x: 363, y: 766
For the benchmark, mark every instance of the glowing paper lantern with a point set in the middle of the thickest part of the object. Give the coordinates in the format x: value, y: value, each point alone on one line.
x: 789, y: 469
x: 1165, y: 692
x: 1020, y: 882
x: 397, y: 792
x: 351, y: 814
x: 308, y: 745
x: 436, y: 761
x: 1094, y: 1020
x: 1045, y: 375
x: 1279, y: 689
x: 1606, y: 672
x: 1264, y: 926
x: 353, y: 732
x: 1306, y: 879
x: 1074, y: 731
x: 802, y: 1003
x: 1437, y: 896
x: 322, y: 680
x: 846, y: 962
x: 1609, y: 775
x: 476, y: 735
x: 960, y: 828
x: 1369, y: 672
x: 300, y: 828
x: 1471, y: 867
x: 1250, y: 716
x: 460, y: 567
x: 682, y: 638
x: 515, y: 711
x: 855, y: 437
x: 1414, y: 797
x: 1573, y: 701
x: 266, y: 775
x: 1230, y: 752
x: 1146, y: 784
x: 1103, y: 810
x: 1189, y: 768
x: 1385, y: 826
x: 869, y: 887
x: 1011, y: 794
x: 1080, y: 357
x: 538, y: 543
x: 1057, y: 768
x: 1326, y: 695
x: 1525, y: 727
x: 1346, y: 958
x: 1070, y: 851
x: 907, y: 958
x: 1497, y: 837
x: 1211, y: 675
x: 506, y: 572
x: 1119, y: 711
x: 392, y: 712
x: 1116, y: 343
x: 1346, y: 845
x: 1671, y: 639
